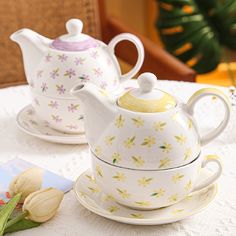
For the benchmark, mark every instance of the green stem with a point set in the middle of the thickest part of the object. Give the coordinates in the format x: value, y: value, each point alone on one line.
x: 16, y: 219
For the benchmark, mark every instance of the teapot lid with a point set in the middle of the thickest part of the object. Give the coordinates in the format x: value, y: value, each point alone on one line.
x: 75, y: 40
x: 147, y: 98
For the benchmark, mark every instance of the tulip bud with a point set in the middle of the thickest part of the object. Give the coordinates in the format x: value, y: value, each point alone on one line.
x: 42, y: 205
x: 26, y: 182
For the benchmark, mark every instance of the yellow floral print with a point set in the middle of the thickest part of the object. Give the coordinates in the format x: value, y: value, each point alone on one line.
x: 119, y: 176
x: 144, y: 181
x: 158, y: 193
x: 190, y: 124
x: 98, y: 151
x: 181, y: 139
x: 149, y: 141
x: 123, y: 193
x: 137, y: 215
x: 187, y: 154
x: 138, y: 161
x: 99, y: 171
x: 130, y: 142
x: 82, y: 194
x: 91, y: 178
x: 109, y: 197
x: 177, y: 211
x: 159, y: 126
x: 109, y: 140
x: 173, y: 198
x: 165, y: 162
x: 178, y: 177
x: 113, y: 209
x: 143, y: 203
x: 139, y: 122
x: 188, y: 186
x: 166, y: 147
x: 119, y: 121
x: 94, y: 190
x: 116, y: 158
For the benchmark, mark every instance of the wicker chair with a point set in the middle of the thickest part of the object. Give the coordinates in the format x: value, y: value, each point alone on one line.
x: 48, y: 18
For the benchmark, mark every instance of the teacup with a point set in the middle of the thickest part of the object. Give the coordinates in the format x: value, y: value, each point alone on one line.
x: 151, y: 189
x: 61, y: 114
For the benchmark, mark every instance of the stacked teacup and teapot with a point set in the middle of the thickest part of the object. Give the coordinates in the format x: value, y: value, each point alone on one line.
x: 145, y: 144
x: 53, y: 67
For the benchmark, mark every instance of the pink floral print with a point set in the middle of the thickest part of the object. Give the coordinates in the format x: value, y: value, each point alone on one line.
x: 94, y: 54
x: 44, y: 87
x: 62, y: 57
x: 53, y: 104
x: 73, y: 107
x: 98, y: 72
x: 48, y: 58
x: 60, y: 89
x: 33, y: 122
x: 56, y: 118
x: 84, y: 78
x: 103, y: 85
x: 30, y: 112
x: 70, y: 73
x: 54, y: 74
x: 39, y: 73
x: 72, y: 127
x: 79, y: 61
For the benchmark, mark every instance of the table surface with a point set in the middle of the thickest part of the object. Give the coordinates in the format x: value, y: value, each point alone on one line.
x: 71, y: 160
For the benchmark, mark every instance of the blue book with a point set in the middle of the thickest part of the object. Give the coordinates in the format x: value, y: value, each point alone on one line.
x: 15, y: 166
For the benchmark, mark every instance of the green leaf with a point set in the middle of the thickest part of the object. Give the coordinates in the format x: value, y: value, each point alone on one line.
x: 6, y: 211
x: 21, y: 225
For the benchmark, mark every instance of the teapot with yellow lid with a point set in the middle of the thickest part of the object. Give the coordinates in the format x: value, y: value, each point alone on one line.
x: 145, y: 128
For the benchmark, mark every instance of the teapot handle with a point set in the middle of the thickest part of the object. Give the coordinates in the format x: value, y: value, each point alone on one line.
x: 210, y: 92
x: 139, y: 46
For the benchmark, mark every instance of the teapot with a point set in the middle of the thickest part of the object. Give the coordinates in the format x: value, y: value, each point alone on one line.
x: 145, y: 128
x: 53, y: 67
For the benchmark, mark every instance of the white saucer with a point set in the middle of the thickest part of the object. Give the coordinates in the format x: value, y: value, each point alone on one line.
x: 29, y: 123
x: 91, y: 197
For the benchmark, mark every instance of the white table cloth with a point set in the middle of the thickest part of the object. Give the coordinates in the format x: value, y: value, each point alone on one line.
x: 71, y: 160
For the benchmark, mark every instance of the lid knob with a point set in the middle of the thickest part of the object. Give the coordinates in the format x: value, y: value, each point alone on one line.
x: 74, y: 26
x: 147, y: 82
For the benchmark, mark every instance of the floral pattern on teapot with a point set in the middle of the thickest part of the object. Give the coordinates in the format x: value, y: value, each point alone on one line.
x: 56, y: 80
x: 149, y: 143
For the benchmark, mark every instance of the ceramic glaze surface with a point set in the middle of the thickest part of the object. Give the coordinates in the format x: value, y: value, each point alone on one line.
x: 65, y: 115
x: 141, y: 141
x: 59, y: 71
x: 29, y: 122
x: 91, y: 197
x: 151, y: 189
x: 163, y: 136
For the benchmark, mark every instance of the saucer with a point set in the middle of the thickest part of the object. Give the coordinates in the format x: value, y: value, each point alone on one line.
x: 90, y: 196
x: 29, y: 123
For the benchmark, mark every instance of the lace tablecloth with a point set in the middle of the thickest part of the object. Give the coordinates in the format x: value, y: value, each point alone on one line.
x: 71, y: 160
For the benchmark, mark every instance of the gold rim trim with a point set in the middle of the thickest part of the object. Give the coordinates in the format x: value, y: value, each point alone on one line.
x: 129, y: 102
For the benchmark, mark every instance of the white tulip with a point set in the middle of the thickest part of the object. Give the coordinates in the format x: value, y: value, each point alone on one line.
x: 26, y: 182
x: 42, y: 205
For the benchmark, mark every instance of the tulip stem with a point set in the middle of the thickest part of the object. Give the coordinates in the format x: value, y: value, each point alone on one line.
x: 16, y: 219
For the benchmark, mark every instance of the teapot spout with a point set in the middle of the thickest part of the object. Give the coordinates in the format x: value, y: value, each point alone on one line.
x: 33, y: 47
x: 99, y: 109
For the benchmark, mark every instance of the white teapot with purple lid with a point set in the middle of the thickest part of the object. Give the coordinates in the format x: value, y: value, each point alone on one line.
x: 53, y: 67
